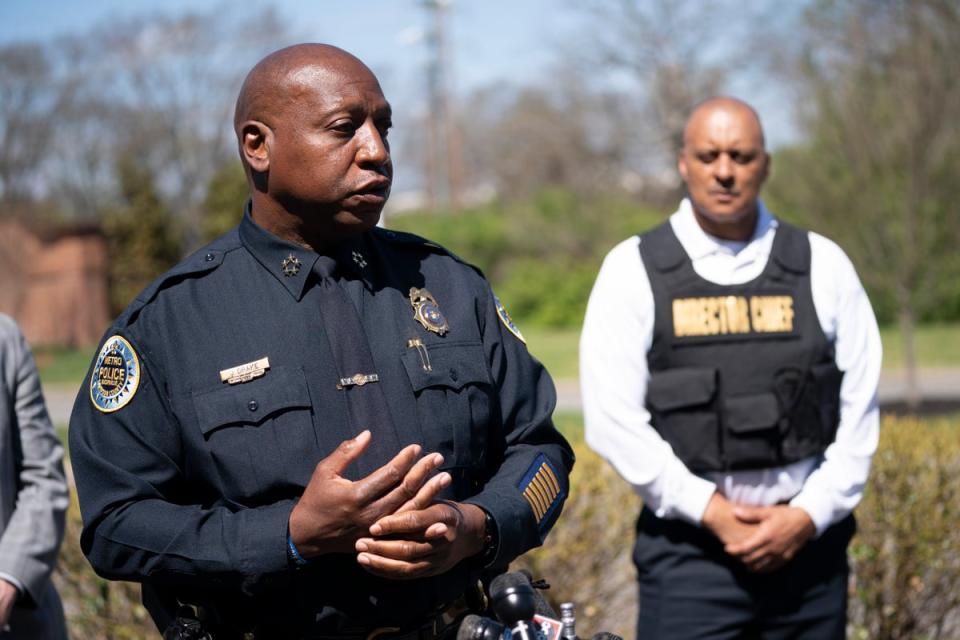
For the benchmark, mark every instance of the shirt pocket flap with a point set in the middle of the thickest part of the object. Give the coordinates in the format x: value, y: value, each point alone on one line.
x: 744, y: 414
x: 453, y: 366
x: 279, y: 389
x: 682, y: 387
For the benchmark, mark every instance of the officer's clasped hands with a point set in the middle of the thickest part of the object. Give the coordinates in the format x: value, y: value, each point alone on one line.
x: 333, y: 512
x: 422, y: 542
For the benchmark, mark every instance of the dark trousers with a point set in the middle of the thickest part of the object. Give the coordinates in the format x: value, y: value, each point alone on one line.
x: 690, y: 588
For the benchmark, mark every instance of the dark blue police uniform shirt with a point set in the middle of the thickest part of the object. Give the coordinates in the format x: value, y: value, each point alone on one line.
x: 188, y: 487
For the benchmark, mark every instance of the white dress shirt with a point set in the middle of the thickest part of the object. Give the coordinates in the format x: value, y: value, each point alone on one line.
x: 618, y: 331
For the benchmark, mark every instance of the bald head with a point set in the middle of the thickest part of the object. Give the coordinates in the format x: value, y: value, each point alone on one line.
x: 724, y: 164
x: 280, y: 77
x: 312, y: 124
x: 720, y: 109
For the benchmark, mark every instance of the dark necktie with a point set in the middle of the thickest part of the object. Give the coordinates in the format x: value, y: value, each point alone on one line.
x: 356, y: 375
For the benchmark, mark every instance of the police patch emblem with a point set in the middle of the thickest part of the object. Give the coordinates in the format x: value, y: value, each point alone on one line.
x: 507, y: 320
x: 116, y: 375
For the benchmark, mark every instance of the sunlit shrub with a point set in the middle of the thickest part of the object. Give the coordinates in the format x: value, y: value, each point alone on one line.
x: 905, y: 558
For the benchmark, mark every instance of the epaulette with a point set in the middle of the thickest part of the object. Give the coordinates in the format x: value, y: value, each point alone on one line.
x: 404, y: 238
x: 201, y: 261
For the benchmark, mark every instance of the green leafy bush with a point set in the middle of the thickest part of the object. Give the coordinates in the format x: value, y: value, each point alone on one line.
x: 906, y: 555
x: 541, y: 255
x: 96, y: 609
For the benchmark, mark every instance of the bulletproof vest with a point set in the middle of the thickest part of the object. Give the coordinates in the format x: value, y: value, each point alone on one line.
x: 741, y: 376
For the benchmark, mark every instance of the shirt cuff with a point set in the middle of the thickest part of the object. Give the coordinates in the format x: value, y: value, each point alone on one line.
x: 264, y: 545
x: 685, y: 495
x: 695, y: 499
x: 16, y: 583
x: 516, y: 527
x: 819, y: 511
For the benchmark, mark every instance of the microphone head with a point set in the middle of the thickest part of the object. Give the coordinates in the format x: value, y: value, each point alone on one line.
x: 513, y: 597
x: 474, y: 627
x: 605, y: 635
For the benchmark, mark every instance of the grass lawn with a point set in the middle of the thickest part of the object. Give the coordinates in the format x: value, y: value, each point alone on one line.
x: 936, y: 345
x: 60, y: 366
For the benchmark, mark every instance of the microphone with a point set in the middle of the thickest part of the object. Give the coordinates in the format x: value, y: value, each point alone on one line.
x: 514, y: 601
x: 518, y: 604
x: 474, y: 627
x: 512, y: 597
x: 605, y: 635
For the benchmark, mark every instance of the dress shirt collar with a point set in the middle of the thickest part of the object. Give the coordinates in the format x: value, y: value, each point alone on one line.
x: 291, y: 264
x: 700, y: 244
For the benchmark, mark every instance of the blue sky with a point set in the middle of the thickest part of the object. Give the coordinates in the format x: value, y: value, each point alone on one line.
x: 513, y: 41
x: 492, y: 39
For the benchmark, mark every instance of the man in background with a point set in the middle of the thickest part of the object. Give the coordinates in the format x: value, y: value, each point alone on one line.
x: 33, y: 497
x: 729, y: 365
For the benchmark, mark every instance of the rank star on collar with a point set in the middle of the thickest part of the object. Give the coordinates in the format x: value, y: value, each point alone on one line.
x: 359, y: 260
x: 291, y: 265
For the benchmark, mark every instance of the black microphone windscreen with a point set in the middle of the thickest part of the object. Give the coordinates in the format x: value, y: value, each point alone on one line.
x: 513, y: 598
x: 506, y: 581
x: 605, y: 635
x: 469, y: 627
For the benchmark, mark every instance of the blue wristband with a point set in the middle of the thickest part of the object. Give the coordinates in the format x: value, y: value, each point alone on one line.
x: 293, y: 554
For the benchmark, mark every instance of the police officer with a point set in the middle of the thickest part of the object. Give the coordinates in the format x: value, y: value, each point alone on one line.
x: 729, y: 366
x: 314, y: 427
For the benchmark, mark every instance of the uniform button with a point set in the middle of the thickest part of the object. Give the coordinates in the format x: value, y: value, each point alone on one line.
x: 208, y: 258
x: 454, y: 375
x: 252, y: 405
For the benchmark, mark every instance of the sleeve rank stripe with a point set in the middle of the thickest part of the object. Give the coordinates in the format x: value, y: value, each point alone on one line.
x: 541, y: 500
x: 551, y: 477
x: 545, y: 491
x: 532, y: 491
x: 550, y: 488
x: 534, y: 504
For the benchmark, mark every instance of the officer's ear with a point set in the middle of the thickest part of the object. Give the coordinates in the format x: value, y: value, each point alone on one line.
x: 256, y: 140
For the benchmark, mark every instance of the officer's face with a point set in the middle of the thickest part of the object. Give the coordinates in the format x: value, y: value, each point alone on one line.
x: 330, y: 161
x: 724, y: 165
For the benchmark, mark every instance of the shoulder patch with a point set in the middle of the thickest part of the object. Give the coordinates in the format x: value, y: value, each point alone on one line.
x: 507, y: 320
x: 116, y: 375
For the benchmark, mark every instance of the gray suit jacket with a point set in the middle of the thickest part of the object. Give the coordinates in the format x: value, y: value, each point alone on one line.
x: 33, y: 491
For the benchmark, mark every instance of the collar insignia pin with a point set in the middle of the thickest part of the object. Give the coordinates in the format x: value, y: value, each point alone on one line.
x: 359, y: 260
x: 426, y: 311
x: 291, y: 265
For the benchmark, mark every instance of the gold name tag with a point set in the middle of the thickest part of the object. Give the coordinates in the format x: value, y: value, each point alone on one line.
x: 724, y: 315
x: 245, y: 372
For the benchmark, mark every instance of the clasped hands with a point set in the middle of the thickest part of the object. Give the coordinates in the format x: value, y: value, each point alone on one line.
x: 763, y: 538
x: 391, y: 518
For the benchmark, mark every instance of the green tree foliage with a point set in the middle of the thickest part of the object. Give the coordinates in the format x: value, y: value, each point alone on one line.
x: 143, y: 237
x: 878, y: 169
x: 223, y: 204
x: 540, y: 254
